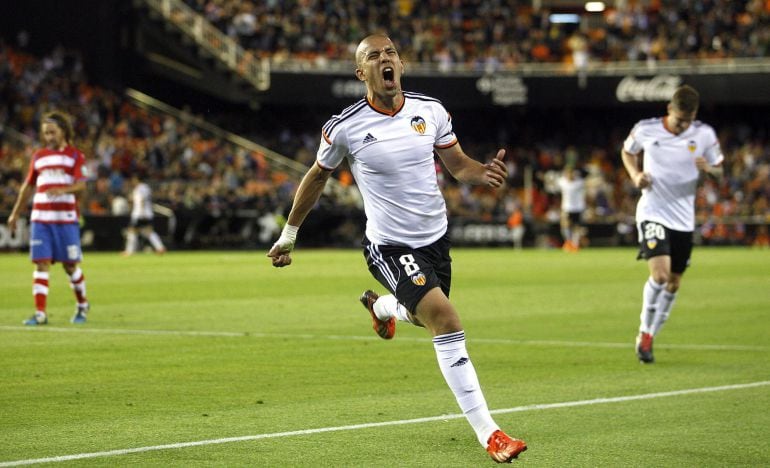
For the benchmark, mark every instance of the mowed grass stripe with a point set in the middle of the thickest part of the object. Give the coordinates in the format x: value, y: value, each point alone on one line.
x: 552, y: 343
x: 518, y: 409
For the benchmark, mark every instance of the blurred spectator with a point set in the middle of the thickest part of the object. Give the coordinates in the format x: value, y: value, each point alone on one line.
x: 490, y: 34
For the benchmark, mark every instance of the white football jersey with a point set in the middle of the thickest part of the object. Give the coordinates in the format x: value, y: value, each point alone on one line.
x: 141, y: 202
x: 670, y: 161
x: 391, y: 158
x: 573, y: 194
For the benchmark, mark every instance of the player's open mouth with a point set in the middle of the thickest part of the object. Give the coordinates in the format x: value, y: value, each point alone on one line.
x: 387, y: 75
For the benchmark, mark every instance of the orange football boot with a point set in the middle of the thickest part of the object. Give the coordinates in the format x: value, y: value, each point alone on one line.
x: 385, y: 329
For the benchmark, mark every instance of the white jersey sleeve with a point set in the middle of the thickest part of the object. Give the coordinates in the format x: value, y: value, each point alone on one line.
x: 631, y: 144
x: 334, y: 145
x: 713, y: 152
x: 330, y: 155
x: 445, y: 136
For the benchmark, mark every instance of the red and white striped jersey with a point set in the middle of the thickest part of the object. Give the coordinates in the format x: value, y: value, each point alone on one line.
x: 52, y: 168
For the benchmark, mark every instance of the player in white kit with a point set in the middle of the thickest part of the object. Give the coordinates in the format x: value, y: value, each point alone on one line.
x: 573, y: 204
x: 141, y: 219
x: 677, y: 151
x: 389, y: 139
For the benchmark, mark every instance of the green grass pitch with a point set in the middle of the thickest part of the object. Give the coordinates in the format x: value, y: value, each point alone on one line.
x: 218, y: 359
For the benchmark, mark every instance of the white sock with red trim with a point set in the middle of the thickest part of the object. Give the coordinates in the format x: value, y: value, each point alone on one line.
x: 78, y: 285
x: 40, y: 290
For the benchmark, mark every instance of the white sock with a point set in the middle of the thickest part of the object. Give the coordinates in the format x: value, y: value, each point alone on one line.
x: 460, y: 375
x: 665, y: 304
x: 649, y: 305
x: 154, y: 239
x: 131, y: 241
x: 387, y: 306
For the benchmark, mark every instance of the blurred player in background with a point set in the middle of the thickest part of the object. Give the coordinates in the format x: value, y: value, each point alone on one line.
x: 678, y: 150
x: 57, y: 173
x: 141, y: 219
x: 573, y: 204
x: 389, y: 139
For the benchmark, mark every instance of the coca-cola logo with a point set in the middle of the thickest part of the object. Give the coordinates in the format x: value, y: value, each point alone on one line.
x: 657, y: 88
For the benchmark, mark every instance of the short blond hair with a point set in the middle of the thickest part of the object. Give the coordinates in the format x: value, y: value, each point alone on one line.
x: 686, y: 99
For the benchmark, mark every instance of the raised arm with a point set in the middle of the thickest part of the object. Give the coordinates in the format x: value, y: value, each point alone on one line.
x: 469, y: 171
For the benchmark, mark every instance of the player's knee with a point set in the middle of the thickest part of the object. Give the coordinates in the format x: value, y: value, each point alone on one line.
x: 437, y: 314
x: 443, y: 321
x: 673, y: 284
x: 414, y: 320
x: 661, y: 276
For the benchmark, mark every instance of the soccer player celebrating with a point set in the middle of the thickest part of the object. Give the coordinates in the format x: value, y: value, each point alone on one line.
x: 57, y: 173
x: 389, y: 138
x: 677, y: 150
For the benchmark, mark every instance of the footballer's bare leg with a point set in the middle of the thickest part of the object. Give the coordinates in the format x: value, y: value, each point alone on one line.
x: 437, y: 314
x: 660, y: 268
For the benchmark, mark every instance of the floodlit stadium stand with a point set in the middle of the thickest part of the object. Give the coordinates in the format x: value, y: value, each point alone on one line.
x: 225, y: 155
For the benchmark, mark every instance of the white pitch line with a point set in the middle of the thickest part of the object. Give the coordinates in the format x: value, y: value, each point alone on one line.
x: 517, y: 409
x: 553, y: 343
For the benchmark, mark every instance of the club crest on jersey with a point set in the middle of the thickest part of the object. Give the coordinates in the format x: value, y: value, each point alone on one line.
x: 418, y: 124
x: 651, y: 243
x: 691, y: 146
x: 419, y: 279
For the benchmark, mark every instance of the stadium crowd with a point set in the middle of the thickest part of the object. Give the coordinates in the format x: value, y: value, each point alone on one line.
x: 488, y: 34
x: 208, y: 179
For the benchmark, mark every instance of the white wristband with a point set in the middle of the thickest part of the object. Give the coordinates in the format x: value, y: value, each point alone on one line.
x: 290, y: 233
x: 288, y: 237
